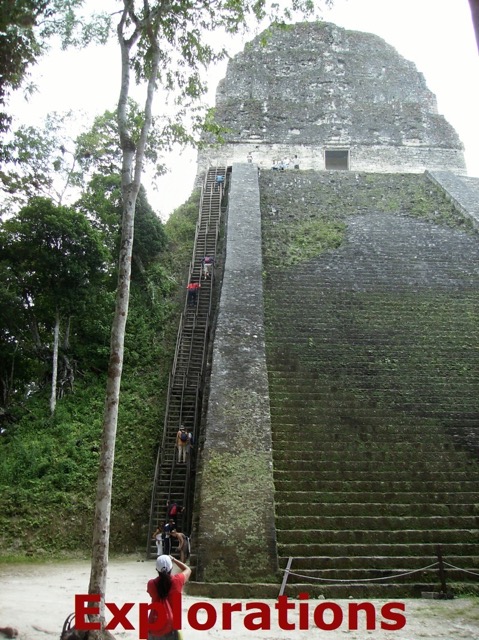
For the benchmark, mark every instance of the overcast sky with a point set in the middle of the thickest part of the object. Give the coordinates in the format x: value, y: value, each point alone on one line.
x: 437, y: 35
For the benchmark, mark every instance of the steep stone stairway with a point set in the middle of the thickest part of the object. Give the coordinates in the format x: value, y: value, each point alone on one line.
x: 373, y: 364
x: 173, y: 480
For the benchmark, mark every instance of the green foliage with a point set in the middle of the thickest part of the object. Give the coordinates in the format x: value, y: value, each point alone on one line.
x: 180, y: 228
x: 53, y: 264
x: 48, y: 466
x: 52, y: 254
x: 40, y: 161
x: 98, y: 149
x: 150, y: 237
x: 102, y: 204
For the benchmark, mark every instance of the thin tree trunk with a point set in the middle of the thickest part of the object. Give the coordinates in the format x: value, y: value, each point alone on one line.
x: 56, y: 338
x: 66, y: 337
x: 474, y: 4
x: 130, y: 188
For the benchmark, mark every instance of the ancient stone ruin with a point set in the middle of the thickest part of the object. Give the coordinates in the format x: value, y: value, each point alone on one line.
x: 342, y: 428
x: 328, y: 98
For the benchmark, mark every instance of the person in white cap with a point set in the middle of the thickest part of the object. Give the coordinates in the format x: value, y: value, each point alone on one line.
x: 168, y: 587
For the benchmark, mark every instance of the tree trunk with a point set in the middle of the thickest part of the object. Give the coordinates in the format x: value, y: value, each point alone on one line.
x: 474, y: 4
x: 132, y: 163
x: 101, y: 524
x: 66, y: 337
x: 56, y: 338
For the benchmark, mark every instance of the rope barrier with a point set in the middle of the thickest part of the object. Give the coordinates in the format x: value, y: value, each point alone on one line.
x: 461, y: 569
x: 398, y: 575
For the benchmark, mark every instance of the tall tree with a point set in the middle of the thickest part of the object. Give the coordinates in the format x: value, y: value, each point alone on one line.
x: 51, y: 256
x: 474, y: 5
x: 164, y: 44
x: 41, y: 161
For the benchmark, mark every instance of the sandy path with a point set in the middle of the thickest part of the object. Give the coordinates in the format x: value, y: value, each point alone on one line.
x: 36, y: 599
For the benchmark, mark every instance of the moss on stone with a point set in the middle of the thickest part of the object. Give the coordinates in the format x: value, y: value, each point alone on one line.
x: 230, y: 485
x: 305, y: 213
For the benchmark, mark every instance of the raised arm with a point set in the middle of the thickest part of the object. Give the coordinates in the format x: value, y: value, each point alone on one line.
x: 185, y: 570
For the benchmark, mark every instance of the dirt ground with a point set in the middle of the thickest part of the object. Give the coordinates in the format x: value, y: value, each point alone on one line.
x: 36, y: 598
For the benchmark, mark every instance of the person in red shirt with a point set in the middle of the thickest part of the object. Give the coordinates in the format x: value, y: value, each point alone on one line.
x: 168, y: 587
x: 192, y: 289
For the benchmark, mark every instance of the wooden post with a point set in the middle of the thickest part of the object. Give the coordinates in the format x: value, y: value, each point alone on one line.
x: 285, y: 576
x: 442, y: 572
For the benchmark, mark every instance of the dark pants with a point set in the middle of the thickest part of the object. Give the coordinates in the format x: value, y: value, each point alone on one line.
x: 166, y: 546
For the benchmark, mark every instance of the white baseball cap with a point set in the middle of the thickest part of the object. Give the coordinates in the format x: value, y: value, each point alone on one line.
x: 164, y: 564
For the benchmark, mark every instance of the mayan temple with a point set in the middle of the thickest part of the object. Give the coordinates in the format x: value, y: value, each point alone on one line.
x: 336, y: 406
x: 333, y: 99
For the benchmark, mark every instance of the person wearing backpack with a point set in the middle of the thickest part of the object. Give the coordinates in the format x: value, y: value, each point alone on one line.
x: 181, y: 443
x: 174, y: 511
x: 207, y: 264
x: 167, y: 589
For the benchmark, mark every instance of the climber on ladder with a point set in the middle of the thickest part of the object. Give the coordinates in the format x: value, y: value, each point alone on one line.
x: 207, y: 264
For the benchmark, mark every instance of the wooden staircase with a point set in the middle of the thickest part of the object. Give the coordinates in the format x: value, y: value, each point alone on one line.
x: 175, y: 481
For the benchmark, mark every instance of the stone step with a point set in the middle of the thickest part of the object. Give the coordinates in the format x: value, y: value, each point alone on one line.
x: 364, y: 591
x: 433, y: 496
x: 410, y: 509
x: 408, y: 563
x: 368, y: 522
x: 430, y: 408
x: 373, y: 461
x: 375, y: 421
x: 389, y: 472
x: 424, y: 412
x: 352, y: 423
x: 338, y: 486
x: 353, y: 449
x: 334, y: 414
x: 373, y: 590
x: 304, y: 387
x: 419, y: 549
x: 374, y: 537
x: 418, y: 469
x: 353, y: 446
x: 327, y: 341
x: 367, y: 455
x: 316, y: 442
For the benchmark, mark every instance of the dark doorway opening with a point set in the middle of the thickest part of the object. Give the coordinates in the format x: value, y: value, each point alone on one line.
x: 336, y: 159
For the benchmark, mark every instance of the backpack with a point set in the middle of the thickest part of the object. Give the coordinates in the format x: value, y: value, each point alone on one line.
x: 173, y: 509
x: 69, y: 632
x: 161, y: 612
x: 183, y: 436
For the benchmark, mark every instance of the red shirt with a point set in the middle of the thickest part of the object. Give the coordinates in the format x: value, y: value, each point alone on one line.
x: 193, y: 285
x: 174, y: 596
